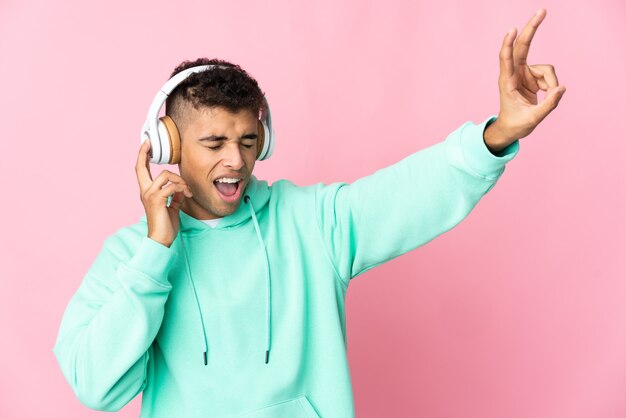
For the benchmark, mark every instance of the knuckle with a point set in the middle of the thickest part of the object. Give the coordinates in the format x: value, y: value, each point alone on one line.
x: 175, y: 178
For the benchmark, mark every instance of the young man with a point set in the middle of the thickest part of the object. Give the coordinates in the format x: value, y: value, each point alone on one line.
x: 228, y: 300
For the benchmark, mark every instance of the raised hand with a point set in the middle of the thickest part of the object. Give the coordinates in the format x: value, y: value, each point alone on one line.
x: 163, y: 220
x: 519, y: 83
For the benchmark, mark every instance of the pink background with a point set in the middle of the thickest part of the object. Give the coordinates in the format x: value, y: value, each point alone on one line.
x: 519, y: 311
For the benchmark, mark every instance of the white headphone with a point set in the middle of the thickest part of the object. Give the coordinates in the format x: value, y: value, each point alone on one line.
x: 165, y: 138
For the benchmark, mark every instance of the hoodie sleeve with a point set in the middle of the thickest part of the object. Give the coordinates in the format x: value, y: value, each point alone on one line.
x: 105, y: 337
x: 403, y: 206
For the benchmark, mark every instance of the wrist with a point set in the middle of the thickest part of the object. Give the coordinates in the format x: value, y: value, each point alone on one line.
x: 160, y: 240
x: 494, y: 138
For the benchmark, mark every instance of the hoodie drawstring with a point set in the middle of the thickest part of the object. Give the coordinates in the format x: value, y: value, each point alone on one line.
x: 195, y: 295
x: 268, y: 297
x: 268, y: 294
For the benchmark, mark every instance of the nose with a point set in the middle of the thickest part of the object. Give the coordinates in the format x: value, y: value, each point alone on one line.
x: 233, y: 157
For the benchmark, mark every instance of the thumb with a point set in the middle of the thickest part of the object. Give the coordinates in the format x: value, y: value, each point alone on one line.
x: 550, y: 101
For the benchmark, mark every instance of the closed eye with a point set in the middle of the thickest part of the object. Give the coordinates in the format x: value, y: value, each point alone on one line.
x: 219, y: 146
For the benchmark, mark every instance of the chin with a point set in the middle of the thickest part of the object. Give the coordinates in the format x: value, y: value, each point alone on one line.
x: 226, y: 210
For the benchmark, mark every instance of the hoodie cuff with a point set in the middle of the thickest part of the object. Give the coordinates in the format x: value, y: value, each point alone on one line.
x: 153, y: 259
x: 477, y: 155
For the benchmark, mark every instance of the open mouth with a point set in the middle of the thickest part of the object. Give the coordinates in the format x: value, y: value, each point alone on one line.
x: 229, y: 192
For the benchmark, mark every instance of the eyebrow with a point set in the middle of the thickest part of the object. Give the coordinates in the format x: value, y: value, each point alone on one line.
x: 222, y: 138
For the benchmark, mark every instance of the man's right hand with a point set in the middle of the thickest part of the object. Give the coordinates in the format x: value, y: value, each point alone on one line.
x: 163, y: 220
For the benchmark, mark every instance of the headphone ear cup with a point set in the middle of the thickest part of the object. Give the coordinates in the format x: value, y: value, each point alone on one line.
x: 173, y: 139
x: 261, y: 138
x: 268, y: 143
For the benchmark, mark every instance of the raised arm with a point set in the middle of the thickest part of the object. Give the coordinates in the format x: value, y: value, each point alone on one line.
x: 407, y: 204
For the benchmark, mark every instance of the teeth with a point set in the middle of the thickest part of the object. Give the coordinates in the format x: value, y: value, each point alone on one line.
x: 227, y: 180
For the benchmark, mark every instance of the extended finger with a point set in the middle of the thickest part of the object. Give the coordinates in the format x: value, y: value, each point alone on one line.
x: 522, y: 45
x: 142, y: 168
x: 506, y: 54
x: 546, y: 76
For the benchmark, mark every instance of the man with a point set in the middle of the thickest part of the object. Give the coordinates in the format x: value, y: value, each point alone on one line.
x: 227, y: 298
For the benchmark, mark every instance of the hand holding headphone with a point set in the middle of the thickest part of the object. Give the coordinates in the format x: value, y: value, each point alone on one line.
x: 165, y: 138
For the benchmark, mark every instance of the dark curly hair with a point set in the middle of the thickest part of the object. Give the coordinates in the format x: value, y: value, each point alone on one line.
x: 230, y: 88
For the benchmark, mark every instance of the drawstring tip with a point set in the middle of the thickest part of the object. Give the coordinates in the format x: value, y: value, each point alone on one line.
x: 205, y: 360
x: 267, y: 356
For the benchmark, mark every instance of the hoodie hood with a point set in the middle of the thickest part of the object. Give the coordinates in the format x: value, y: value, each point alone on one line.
x: 258, y: 192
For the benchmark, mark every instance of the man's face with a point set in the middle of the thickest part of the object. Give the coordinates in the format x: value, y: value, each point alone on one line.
x: 215, y: 144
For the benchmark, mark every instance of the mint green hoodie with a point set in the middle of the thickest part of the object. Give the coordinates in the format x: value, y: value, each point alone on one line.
x: 247, y: 319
